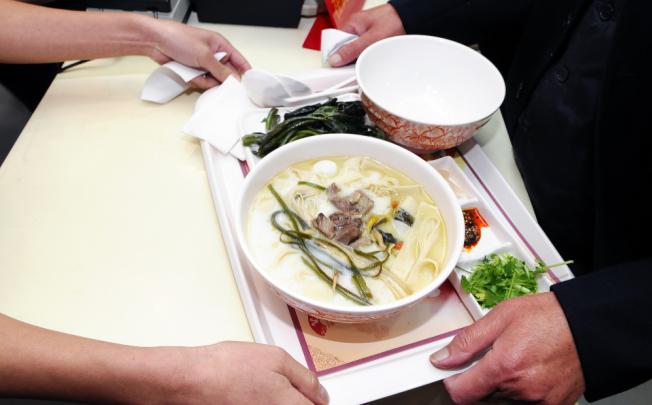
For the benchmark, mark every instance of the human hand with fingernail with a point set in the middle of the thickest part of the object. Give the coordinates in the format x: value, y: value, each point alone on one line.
x: 81, y: 35
x: 371, y: 25
x: 530, y: 355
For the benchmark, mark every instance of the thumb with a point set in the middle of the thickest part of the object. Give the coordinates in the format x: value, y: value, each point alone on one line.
x: 350, y: 25
x: 219, y: 70
x: 471, y: 341
x: 475, y: 383
x: 204, y: 82
x: 350, y: 52
x: 305, y: 381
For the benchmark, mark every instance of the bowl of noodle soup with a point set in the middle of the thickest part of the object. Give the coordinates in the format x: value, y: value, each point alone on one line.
x: 349, y: 228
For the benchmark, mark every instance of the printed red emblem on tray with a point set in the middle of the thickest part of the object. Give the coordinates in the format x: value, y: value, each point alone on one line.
x: 318, y: 326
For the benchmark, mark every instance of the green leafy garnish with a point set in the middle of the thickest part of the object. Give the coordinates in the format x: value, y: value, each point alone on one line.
x: 272, y: 119
x: 332, y: 116
x: 500, y: 277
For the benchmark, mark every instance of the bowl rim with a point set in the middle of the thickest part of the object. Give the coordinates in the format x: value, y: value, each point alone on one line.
x: 288, y: 149
x: 455, y: 44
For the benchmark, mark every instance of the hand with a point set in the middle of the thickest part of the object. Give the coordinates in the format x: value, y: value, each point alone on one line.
x: 371, y: 25
x: 531, y: 355
x: 196, y: 48
x: 236, y: 372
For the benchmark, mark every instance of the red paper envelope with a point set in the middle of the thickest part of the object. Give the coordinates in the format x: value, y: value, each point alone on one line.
x: 338, y: 12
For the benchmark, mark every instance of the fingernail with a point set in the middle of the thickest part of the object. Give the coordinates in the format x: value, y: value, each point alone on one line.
x: 323, y: 394
x: 439, y: 356
x: 334, y: 59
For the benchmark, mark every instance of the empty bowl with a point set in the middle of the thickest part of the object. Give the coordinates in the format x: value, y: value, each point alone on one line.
x: 428, y: 93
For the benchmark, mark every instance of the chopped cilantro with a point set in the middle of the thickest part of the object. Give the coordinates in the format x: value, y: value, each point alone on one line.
x: 500, y: 277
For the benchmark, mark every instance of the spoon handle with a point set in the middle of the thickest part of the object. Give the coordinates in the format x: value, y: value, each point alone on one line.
x: 321, y: 94
x: 340, y: 84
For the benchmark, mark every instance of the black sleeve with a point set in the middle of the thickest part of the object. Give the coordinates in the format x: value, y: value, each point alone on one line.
x: 609, y: 315
x: 495, y: 25
x: 466, y: 21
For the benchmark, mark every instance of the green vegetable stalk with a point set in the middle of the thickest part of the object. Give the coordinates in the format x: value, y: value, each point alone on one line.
x: 310, y: 184
x: 272, y: 119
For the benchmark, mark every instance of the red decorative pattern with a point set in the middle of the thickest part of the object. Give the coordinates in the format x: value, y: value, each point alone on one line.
x: 419, y: 138
x: 318, y: 326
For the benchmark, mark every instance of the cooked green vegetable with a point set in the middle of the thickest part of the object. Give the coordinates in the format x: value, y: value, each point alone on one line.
x: 404, y: 216
x: 312, y: 264
x: 387, y: 237
x: 272, y: 119
x: 500, y: 277
x: 310, y: 184
x: 330, y: 117
x: 309, y: 109
x: 377, y: 262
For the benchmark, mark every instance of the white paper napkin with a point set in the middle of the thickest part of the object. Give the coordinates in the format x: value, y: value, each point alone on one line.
x: 170, y: 80
x: 217, y: 117
x: 220, y: 111
x: 332, y: 40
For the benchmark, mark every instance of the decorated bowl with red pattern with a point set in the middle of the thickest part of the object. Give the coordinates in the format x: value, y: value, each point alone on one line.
x: 428, y: 93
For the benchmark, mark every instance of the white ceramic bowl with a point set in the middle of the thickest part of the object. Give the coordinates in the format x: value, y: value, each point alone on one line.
x: 353, y: 145
x: 428, y: 93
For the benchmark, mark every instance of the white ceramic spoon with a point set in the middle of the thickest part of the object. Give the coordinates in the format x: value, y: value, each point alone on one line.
x: 321, y: 94
x: 269, y: 90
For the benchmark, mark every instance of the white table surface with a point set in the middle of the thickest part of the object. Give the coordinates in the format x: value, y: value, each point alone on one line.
x: 107, y: 228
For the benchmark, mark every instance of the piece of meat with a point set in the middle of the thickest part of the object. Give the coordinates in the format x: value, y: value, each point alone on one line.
x: 347, y: 228
x: 357, y: 203
x: 332, y: 191
x: 347, y: 234
x: 324, y: 225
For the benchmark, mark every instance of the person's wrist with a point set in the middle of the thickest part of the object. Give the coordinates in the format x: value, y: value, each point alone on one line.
x: 168, y: 375
x: 160, y: 375
x: 145, y: 33
x: 140, y: 373
x: 145, y: 375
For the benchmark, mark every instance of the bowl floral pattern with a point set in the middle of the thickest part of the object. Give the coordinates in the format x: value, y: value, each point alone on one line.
x: 417, y: 137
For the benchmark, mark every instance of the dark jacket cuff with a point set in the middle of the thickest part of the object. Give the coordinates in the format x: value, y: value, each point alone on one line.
x: 608, y: 314
x: 418, y: 15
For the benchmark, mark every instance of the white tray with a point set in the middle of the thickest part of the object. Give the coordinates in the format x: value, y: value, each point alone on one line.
x: 351, y: 360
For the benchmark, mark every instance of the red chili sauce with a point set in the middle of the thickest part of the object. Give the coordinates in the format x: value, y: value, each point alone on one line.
x: 473, y: 224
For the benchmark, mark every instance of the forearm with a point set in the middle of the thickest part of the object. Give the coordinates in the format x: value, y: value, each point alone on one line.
x: 36, y: 362
x: 33, y: 34
x: 43, y: 363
